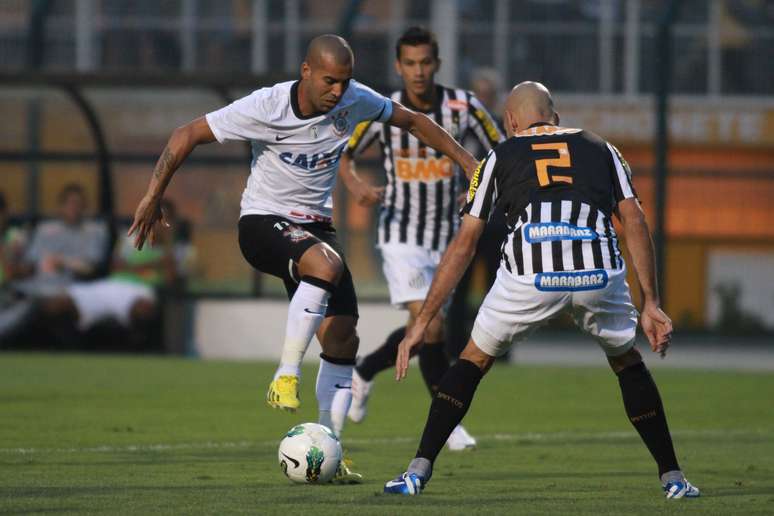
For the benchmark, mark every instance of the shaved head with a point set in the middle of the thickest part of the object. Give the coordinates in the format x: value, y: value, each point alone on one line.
x: 329, y: 48
x: 529, y: 103
x: 325, y: 73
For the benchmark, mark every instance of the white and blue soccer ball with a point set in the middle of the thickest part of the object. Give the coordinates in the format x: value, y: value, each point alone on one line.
x: 309, y: 454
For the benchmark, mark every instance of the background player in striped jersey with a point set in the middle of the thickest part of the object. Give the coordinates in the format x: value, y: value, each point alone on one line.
x: 560, y: 188
x: 418, y: 216
x: 298, y: 130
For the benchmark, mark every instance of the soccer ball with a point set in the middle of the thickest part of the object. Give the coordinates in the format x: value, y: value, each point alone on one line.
x: 309, y: 454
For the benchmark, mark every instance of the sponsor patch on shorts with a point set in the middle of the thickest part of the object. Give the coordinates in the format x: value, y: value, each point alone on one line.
x: 571, y: 281
x: 551, y: 231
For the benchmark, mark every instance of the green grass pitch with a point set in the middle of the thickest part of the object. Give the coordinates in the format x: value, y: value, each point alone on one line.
x: 115, y: 434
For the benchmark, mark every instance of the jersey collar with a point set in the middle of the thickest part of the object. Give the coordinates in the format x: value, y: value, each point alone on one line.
x: 296, y: 107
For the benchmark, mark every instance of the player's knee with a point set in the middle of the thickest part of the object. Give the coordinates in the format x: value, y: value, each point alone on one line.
x: 321, y: 261
x: 624, y: 360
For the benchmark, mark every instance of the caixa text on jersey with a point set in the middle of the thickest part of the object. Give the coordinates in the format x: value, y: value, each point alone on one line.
x: 314, y: 161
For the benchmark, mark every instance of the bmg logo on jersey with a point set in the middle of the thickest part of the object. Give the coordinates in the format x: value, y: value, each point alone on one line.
x: 423, y: 169
x: 571, y: 281
x: 314, y: 161
x: 551, y: 231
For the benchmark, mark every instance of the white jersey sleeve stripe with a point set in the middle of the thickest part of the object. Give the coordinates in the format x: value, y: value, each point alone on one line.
x: 621, y: 174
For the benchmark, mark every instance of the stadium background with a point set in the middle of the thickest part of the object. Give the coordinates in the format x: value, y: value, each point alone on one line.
x: 90, y: 90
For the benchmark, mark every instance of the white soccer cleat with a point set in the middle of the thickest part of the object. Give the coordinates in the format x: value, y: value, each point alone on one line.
x: 681, y: 489
x: 460, y: 439
x: 361, y: 390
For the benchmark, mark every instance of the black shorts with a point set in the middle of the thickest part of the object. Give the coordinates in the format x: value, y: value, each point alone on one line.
x: 274, y: 245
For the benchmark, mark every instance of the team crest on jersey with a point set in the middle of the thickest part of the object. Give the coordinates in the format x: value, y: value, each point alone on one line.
x: 340, y: 123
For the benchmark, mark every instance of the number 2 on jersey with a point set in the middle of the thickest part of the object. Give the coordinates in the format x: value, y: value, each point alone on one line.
x: 563, y: 161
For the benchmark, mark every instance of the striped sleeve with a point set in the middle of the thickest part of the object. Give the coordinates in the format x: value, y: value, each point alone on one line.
x: 484, y: 125
x: 482, y: 193
x: 622, y: 176
x: 364, y: 135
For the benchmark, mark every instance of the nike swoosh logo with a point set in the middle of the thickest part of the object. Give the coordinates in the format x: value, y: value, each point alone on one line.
x: 280, y: 138
x: 311, y: 312
x: 294, y: 461
x: 391, y: 483
x: 342, y: 386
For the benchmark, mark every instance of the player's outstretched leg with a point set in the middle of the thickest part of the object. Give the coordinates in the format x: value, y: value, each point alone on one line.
x: 305, y: 314
x: 449, y: 406
x: 365, y: 371
x: 646, y: 412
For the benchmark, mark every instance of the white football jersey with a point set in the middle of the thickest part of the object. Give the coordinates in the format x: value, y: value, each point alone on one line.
x: 295, y: 157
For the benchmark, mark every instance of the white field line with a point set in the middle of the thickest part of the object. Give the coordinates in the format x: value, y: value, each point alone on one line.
x: 526, y: 436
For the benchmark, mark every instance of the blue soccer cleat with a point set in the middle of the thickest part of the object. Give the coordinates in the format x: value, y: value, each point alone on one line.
x: 409, y: 484
x: 680, y: 489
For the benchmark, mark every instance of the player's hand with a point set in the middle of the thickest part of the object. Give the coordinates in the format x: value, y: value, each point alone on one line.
x: 368, y: 195
x: 413, y: 339
x: 657, y: 327
x: 146, y: 222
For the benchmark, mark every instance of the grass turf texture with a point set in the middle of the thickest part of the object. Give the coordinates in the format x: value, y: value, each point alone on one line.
x: 164, y: 435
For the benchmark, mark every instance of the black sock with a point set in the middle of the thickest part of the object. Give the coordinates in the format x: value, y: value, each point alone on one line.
x: 382, y: 358
x: 449, y: 406
x: 646, y: 412
x: 433, y: 364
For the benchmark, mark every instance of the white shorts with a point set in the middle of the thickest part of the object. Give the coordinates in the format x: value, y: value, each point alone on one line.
x: 107, y: 299
x: 409, y: 270
x: 515, y: 307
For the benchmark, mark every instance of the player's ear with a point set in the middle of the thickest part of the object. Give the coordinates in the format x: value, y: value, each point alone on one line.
x: 397, y: 67
x: 306, y: 70
x: 437, y: 64
x: 555, y: 118
x: 511, y: 127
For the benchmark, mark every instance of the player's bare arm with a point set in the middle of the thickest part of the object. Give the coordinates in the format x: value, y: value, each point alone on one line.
x: 453, y: 265
x: 365, y: 194
x: 431, y: 134
x: 655, y: 323
x: 180, y: 144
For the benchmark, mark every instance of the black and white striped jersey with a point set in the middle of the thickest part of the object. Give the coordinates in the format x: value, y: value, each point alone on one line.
x: 420, y: 202
x: 558, y: 187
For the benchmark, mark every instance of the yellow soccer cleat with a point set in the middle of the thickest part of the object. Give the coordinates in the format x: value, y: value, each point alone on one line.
x: 283, y: 393
x: 344, y: 475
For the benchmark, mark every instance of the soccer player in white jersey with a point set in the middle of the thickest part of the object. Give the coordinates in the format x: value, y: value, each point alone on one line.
x: 419, y: 207
x: 298, y: 130
x: 560, y: 188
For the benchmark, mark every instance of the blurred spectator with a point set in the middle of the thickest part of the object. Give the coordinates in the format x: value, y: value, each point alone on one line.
x: 67, y: 248
x: 486, y: 83
x: 11, y: 245
x: 128, y: 299
x: 60, y: 251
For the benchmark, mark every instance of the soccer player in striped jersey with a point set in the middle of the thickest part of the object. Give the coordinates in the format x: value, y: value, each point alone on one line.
x: 418, y: 216
x: 560, y: 188
x: 298, y: 131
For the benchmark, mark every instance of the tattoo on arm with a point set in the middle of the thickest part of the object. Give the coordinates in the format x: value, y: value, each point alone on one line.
x: 165, y: 164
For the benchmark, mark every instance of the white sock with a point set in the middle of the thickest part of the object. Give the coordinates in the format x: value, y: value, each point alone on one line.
x: 334, y: 394
x: 305, y: 313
